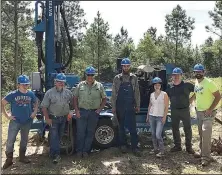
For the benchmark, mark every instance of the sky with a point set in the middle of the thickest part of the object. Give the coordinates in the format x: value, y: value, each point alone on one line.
x: 138, y: 16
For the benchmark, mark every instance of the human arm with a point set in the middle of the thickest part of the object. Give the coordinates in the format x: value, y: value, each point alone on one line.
x: 35, y: 105
x: 45, y: 104
x: 113, y: 97
x: 5, y: 101
x: 215, y: 102
x: 137, y: 95
x: 147, y: 117
x: 192, y: 98
x: 75, y: 101
x: 103, y: 96
x: 214, y: 90
x: 166, y: 108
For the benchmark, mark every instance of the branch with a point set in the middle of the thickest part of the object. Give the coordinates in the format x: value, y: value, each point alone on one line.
x: 211, y: 30
x: 8, y: 16
x: 8, y: 40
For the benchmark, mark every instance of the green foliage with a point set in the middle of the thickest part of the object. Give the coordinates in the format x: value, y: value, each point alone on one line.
x: 178, y: 28
x: 99, y: 48
x: 75, y: 17
x: 148, y: 51
x: 216, y: 15
x: 97, y: 42
x: 212, y: 59
x: 123, y: 44
x: 16, y: 24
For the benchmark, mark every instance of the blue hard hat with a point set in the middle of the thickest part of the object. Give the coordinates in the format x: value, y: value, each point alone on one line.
x: 125, y: 61
x: 156, y: 80
x: 177, y: 70
x: 198, y: 67
x: 23, y: 79
x: 60, y: 77
x: 90, y: 70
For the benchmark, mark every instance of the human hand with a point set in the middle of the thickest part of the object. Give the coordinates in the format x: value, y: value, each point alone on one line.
x: 49, y: 122
x: 10, y: 117
x: 77, y: 114
x: 33, y: 115
x: 208, y: 112
x: 98, y: 111
x: 113, y: 110
x: 137, y: 109
x: 147, y: 119
x: 163, y: 120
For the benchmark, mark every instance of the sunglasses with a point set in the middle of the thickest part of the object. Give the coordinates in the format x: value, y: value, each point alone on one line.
x: 90, y: 75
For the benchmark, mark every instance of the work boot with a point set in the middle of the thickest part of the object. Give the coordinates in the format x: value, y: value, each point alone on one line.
x: 176, y: 149
x: 56, y: 159
x: 154, y: 151
x: 85, y: 155
x: 137, y: 152
x: 22, y: 157
x: 123, y: 149
x: 190, y: 150
x: 8, y: 161
x: 160, y: 155
x: 205, y: 162
x: 197, y: 155
x: 79, y: 154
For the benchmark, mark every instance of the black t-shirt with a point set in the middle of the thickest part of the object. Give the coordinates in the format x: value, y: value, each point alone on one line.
x: 179, y: 95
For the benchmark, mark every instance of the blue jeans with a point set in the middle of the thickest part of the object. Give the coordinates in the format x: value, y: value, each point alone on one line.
x: 156, y: 125
x: 13, y: 130
x: 56, y: 131
x: 86, y: 126
x: 127, y: 119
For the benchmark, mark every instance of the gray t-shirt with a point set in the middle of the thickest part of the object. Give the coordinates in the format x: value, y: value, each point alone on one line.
x: 57, y: 102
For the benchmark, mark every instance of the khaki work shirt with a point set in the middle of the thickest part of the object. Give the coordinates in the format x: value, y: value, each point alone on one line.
x: 57, y: 102
x: 116, y: 85
x: 89, y: 97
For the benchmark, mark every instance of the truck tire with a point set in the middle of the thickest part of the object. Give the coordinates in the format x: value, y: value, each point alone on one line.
x: 105, y: 134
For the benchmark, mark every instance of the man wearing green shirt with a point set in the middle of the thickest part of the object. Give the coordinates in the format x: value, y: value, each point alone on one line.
x: 207, y: 101
x: 89, y: 100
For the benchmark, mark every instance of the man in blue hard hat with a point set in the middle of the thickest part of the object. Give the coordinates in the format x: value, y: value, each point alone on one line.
x: 207, y: 101
x: 179, y: 93
x: 125, y: 102
x: 24, y: 106
x: 89, y: 100
x: 55, y: 107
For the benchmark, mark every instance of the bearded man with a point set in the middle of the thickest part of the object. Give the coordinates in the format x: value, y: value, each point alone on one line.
x: 125, y: 102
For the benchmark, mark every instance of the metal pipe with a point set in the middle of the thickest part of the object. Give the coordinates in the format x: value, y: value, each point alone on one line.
x: 58, y: 23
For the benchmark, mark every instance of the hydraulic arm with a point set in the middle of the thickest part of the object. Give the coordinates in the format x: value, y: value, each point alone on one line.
x: 49, y: 22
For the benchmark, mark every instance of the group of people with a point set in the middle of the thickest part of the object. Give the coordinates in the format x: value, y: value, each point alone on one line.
x: 89, y: 98
x: 207, y: 97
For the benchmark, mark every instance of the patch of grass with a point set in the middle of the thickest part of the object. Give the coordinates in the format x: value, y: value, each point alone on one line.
x: 191, y: 170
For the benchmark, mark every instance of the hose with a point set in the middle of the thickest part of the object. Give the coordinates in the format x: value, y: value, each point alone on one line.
x: 69, y: 38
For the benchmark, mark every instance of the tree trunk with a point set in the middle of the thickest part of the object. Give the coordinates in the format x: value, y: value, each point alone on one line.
x: 16, y: 43
x: 98, y: 47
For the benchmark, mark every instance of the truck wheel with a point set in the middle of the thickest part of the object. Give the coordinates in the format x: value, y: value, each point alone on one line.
x: 105, y: 134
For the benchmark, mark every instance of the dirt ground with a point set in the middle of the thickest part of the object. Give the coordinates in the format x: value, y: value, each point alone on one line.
x: 111, y: 161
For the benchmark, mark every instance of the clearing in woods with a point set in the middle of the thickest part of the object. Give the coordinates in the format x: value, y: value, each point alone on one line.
x: 111, y: 161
